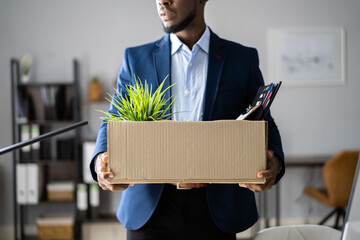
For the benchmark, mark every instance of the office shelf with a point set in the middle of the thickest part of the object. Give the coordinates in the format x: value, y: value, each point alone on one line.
x: 43, y: 122
x: 103, y: 218
x: 44, y: 84
x: 47, y: 202
x: 37, y: 108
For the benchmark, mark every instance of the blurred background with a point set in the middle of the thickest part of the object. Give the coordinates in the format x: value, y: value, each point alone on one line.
x: 316, y: 121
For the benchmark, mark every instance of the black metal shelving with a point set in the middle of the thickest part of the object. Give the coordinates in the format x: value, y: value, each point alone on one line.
x: 25, y: 102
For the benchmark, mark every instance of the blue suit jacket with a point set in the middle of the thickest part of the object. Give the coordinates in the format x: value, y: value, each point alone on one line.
x: 232, y: 82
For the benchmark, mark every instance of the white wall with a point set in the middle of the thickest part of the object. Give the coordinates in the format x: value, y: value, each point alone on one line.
x: 312, y: 120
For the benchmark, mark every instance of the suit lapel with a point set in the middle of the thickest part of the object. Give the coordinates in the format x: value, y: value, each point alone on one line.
x: 215, y: 66
x: 162, y: 62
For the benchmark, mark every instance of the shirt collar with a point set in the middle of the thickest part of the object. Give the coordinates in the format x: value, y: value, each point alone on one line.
x: 203, y: 42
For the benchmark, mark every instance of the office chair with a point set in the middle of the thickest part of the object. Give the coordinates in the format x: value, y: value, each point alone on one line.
x: 299, y: 232
x: 338, y: 174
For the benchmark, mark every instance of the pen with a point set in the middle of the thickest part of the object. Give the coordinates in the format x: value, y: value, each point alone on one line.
x: 266, y: 99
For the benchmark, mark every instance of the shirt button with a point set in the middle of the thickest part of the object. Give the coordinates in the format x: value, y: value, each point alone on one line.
x: 190, y: 64
x: 187, y: 92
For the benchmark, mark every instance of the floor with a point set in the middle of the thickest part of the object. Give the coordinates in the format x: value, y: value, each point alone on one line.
x: 114, y: 230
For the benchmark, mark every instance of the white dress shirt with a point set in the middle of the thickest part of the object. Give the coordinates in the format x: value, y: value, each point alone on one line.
x: 189, y: 73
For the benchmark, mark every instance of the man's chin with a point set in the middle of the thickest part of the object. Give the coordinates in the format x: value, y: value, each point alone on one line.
x: 174, y: 28
x: 169, y: 28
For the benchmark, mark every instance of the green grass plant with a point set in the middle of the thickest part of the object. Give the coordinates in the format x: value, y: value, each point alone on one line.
x: 140, y: 104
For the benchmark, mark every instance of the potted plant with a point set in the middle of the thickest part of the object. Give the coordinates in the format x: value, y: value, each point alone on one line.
x: 140, y: 103
x: 95, y: 89
x: 25, y: 64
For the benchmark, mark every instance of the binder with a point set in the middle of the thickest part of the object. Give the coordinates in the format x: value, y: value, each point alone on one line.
x: 22, y: 183
x: 34, y: 183
x: 260, y: 105
x: 94, y: 195
x: 88, y: 150
x: 82, y: 197
x: 25, y: 136
x: 35, y: 132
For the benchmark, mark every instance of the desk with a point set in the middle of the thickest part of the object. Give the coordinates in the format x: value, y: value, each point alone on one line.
x: 291, y: 161
x: 306, y: 161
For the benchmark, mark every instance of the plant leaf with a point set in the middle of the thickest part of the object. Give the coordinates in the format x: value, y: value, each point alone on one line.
x: 140, y: 103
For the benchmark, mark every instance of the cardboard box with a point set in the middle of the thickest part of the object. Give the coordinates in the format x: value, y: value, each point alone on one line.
x: 227, y: 151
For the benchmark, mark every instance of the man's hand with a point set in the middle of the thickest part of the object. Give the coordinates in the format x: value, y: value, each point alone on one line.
x: 273, y: 168
x: 101, y: 168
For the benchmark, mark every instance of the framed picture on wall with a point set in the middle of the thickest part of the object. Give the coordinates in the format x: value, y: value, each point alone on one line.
x: 306, y: 56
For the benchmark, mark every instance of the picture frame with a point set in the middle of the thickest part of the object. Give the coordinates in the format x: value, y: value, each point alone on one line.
x: 307, y: 56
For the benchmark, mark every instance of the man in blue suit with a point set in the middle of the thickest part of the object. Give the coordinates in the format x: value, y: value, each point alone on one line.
x: 215, y: 79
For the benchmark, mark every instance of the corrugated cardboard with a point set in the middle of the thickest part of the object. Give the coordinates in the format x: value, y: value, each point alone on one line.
x: 227, y: 151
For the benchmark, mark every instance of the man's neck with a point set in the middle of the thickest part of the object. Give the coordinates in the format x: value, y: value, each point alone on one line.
x: 192, y: 34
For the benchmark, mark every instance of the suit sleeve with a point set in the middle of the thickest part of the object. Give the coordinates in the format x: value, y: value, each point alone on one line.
x: 274, y: 139
x: 124, y: 79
